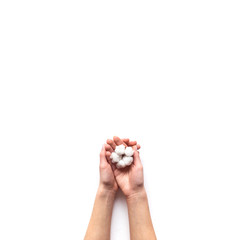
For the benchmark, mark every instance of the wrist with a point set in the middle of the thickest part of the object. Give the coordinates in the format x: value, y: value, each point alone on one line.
x: 106, y: 191
x: 138, y: 194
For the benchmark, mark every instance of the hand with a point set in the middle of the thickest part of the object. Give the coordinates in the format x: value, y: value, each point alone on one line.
x: 107, y: 179
x: 129, y: 179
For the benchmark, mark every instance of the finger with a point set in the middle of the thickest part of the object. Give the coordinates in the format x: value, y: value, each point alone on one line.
x: 103, y: 160
x: 136, y: 158
x: 118, y: 141
x: 108, y: 148
x: 125, y: 140
x: 111, y: 143
x: 108, y: 154
x: 132, y: 143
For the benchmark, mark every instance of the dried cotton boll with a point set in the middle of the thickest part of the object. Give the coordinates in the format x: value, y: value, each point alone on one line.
x: 127, y: 160
x: 121, y: 164
x: 129, y: 151
x: 122, y: 156
x: 120, y: 150
x: 115, y: 157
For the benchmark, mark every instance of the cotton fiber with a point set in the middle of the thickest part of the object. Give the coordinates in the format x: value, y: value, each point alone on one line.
x: 115, y: 157
x: 122, y: 156
x: 127, y: 160
x: 128, y: 151
x: 120, y: 150
x: 121, y: 164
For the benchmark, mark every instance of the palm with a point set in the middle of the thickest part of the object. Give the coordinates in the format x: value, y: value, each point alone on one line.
x: 129, y: 178
x: 106, y: 174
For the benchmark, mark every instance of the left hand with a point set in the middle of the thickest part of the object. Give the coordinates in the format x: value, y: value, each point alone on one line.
x: 107, y: 179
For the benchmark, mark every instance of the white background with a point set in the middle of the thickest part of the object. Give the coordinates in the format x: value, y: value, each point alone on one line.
x: 74, y: 73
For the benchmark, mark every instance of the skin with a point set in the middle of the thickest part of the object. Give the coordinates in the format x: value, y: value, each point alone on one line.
x: 130, y: 181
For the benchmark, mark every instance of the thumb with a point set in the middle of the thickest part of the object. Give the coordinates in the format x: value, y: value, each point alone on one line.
x: 137, y: 160
x: 103, y: 159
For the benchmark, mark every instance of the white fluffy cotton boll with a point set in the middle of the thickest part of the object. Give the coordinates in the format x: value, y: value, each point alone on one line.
x: 129, y: 151
x: 121, y: 164
x: 120, y: 150
x: 115, y: 157
x: 127, y: 160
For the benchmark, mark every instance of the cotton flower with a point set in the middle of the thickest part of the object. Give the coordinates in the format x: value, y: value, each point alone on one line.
x: 120, y: 150
x: 122, y: 156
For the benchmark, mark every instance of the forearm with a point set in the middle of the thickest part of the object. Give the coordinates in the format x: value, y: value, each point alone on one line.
x: 100, y: 222
x: 141, y: 227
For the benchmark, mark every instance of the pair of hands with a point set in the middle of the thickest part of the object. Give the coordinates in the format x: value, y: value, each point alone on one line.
x: 129, y: 179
